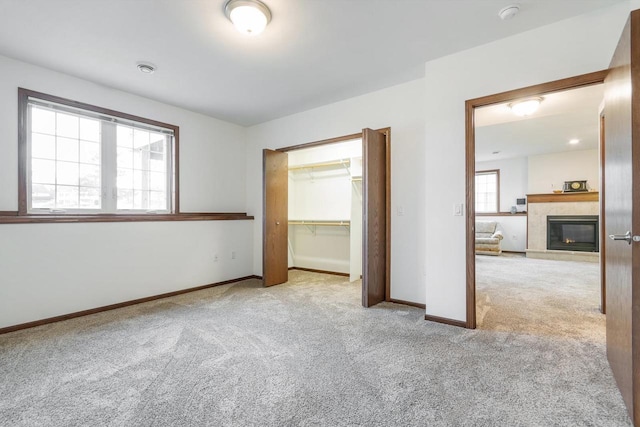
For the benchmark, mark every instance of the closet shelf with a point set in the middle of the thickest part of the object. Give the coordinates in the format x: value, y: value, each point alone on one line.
x: 345, y: 163
x: 328, y: 223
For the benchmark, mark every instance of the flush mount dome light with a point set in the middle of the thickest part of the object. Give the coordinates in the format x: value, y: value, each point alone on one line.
x: 525, y: 107
x: 146, y: 67
x: 574, y: 141
x: 249, y: 16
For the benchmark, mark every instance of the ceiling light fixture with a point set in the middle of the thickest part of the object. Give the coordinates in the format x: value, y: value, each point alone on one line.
x: 249, y: 16
x: 509, y: 12
x: 525, y: 107
x: 574, y: 141
x: 146, y: 68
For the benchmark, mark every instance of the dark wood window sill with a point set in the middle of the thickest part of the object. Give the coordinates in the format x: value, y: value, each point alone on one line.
x: 12, y: 217
x: 502, y: 214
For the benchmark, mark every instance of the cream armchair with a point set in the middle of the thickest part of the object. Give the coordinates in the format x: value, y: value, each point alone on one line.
x: 488, y: 238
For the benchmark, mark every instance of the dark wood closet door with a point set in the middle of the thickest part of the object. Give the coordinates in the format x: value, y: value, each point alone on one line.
x: 275, y: 216
x: 374, y: 191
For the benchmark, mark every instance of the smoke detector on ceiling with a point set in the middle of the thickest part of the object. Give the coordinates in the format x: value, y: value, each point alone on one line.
x: 509, y: 12
x: 146, y: 67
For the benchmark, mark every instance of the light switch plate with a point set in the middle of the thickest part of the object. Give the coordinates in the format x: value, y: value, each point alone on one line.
x: 457, y: 209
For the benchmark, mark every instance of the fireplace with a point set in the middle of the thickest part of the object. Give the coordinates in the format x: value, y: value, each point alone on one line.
x: 573, y: 233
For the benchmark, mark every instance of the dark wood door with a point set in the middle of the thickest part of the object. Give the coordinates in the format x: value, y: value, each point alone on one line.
x: 374, y: 202
x: 622, y: 214
x: 275, y: 215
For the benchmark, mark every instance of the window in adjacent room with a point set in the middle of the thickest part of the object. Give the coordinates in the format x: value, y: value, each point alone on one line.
x: 487, y: 191
x: 81, y: 159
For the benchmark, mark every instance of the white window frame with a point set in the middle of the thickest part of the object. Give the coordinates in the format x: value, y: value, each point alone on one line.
x: 108, y: 154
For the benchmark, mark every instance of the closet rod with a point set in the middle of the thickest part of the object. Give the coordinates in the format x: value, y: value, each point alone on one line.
x: 331, y: 223
x: 320, y: 165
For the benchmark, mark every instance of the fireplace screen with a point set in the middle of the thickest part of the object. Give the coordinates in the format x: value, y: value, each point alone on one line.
x: 573, y: 233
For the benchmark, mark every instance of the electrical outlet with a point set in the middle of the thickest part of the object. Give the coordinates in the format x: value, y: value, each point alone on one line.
x: 400, y: 210
x: 514, y: 237
x: 233, y: 254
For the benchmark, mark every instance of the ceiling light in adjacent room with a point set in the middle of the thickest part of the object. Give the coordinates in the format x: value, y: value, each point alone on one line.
x: 146, y: 68
x: 525, y: 107
x: 574, y: 141
x: 249, y: 16
x: 509, y: 12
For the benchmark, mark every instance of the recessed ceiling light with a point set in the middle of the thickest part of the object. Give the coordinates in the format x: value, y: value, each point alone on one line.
x: 525, y: 107
x: 249, y: 16
x: 146, y: 67
x: 509, y: 12
x: 574, y: 141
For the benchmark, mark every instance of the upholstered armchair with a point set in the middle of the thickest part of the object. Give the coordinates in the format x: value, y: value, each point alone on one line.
x: 488, y: 238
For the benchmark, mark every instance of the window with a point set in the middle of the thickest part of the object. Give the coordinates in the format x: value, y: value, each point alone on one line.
x: 488, y: 191
x: 81, y: 159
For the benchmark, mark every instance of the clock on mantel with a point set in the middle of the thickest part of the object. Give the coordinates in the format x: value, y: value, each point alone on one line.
x: 574, y: 186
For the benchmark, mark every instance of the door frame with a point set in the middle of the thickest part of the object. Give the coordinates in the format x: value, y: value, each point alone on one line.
x: 387, y: 133
x: 470, y: 164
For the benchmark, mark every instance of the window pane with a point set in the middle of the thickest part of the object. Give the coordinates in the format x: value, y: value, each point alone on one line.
x: 125, y: 178
x: 140, y: 138
x: 140, y: 199
x: 157, y: 181
x: 140, y: 180
x: 43, y: 171
x: 124, y: 136
x: 487, y: 192
x: 157, y: 162
x: 90, y: 198
x: 125, y: 199
x: 157, y: 200
x: 67, y: 173
x: 66, y: 197
x: 67, y: 125
x: 90, y: 152
x: 43, y: 196
x: 89, y: 130
x: 90, y: 175
x: 125, y: 158
x: 67, y: 149
x: 43, y: 121
x: 43, y: 146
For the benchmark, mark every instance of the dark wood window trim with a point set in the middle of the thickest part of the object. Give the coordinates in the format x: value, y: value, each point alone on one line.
x: 497, y: 172
x: 501, y: 214
x: 23, y: 97
x: 12, y: 217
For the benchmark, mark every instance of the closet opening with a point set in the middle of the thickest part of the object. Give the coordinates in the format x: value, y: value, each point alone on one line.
x: 326, y: 209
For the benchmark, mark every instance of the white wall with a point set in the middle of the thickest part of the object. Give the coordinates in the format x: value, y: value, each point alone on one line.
x: 513, y: 179
x: 514, y: 230
x: 567, y: 48
x: 548, y: 172
x: 400, y: 107
x: 53, y: 269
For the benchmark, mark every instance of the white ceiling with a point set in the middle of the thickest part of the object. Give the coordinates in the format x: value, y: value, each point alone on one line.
x: 561, y: 116
x: 312, y: 53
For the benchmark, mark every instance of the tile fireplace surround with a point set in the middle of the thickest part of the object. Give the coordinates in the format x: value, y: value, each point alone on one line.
x: 542, y: 205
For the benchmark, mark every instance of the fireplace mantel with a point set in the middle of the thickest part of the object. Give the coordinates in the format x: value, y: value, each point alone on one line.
x: 587, y: 196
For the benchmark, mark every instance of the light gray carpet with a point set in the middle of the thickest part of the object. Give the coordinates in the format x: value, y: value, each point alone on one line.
x: 305, y: 353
